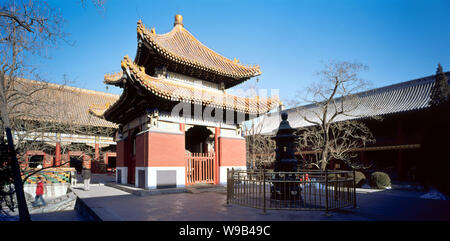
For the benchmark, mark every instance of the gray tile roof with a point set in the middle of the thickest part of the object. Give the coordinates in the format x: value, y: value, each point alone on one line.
x: 402, y: 97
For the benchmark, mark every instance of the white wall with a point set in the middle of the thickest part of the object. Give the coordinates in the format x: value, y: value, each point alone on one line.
x: 150, y: 176
x: 223, y: 172
x: 124, y: 179
x: 51, y: 190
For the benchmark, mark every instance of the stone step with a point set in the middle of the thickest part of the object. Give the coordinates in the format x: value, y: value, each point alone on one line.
x: 66, y: 202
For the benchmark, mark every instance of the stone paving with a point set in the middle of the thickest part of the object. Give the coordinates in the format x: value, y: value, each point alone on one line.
x: 58, y: 216
x: 111, y: 204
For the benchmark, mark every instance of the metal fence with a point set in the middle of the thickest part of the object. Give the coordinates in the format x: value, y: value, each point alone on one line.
x: 303, y: 190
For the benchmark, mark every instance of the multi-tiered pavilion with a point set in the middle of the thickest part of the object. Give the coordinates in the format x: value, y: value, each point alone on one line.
x: 177, y: 123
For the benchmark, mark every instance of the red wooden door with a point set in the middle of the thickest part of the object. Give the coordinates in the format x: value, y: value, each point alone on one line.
x: 130, y: 156
x: 199, y: 168
x: 131, y: 170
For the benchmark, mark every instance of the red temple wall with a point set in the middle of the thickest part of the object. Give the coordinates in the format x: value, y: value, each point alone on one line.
x: 120, y: 150
x: 166, y: 149
x: 64, y: 159
x: 107, y: 155
x: 47, y: 160
x: 141, y: 151
x: 232, y: 152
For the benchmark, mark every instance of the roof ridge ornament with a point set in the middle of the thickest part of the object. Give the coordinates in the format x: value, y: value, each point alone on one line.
x: 178, y: 20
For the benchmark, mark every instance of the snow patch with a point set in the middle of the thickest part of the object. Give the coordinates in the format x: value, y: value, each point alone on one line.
x: 434, y: 194
x: 5, y: 217
x: 367, y: 186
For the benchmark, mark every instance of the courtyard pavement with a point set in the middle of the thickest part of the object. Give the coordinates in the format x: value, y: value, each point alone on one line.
x: 111, y: 204
x: 71, y: 215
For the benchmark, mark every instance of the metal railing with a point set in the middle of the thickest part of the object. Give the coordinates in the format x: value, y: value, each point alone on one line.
x: 303, y: 190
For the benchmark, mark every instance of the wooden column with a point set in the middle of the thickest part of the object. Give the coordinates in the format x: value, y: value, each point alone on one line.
x: 105, y: 159
x: 182, y: 127
x: 216, y: 155
x: 58, y: 150
x: 97, y: 149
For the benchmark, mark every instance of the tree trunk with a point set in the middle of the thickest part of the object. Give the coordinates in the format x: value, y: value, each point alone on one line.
x: 324, y: 162
x: 24, y: 215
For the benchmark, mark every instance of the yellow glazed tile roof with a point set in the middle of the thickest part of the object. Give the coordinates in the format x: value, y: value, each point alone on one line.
x: 175, y: 91
x: 64, y: 104
x: 182, y: 47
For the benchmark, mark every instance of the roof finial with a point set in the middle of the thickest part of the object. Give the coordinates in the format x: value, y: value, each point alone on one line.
x: 178, y: 20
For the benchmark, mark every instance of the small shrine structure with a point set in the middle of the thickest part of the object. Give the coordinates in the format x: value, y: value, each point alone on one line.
x: 177, y: 124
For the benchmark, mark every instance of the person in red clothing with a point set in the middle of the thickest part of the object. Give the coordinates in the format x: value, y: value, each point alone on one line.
x: 39, y: 193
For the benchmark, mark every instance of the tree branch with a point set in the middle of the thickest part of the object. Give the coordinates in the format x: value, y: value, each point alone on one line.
x: 16, y: 19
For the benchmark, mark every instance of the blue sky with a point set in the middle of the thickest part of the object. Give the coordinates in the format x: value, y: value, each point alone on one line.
x: 398, y: 40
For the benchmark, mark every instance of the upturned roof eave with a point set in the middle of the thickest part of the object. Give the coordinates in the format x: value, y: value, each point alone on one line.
x: 135, y: 74
x: 151, y: 40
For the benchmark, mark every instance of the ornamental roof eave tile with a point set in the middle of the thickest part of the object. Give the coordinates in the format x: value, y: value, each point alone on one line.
x: 115, y: 79
x: 180, y: 46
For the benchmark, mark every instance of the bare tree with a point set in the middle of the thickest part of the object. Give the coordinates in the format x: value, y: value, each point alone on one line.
x: 99, y: 4
x: 28, y: 28
x: 39, y: 120
x: 260, y: 148
x: 346, y: 137
x: 440, y: 92
x: 332, y: 131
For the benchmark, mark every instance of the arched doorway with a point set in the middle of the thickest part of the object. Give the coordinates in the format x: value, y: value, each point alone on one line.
x: 200, y: 157
x: 199, y: 139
